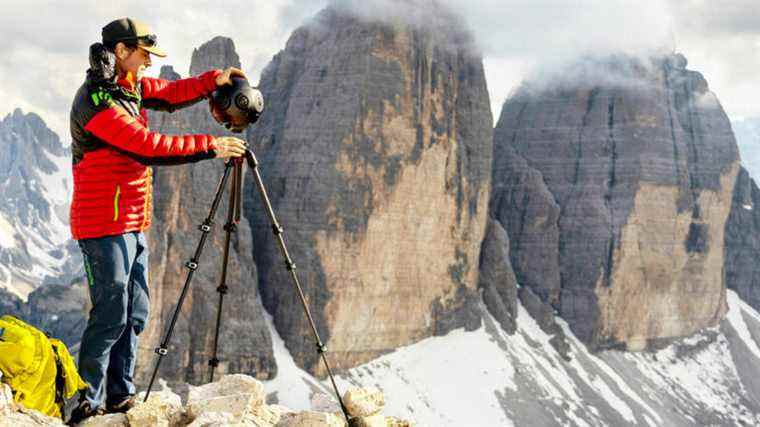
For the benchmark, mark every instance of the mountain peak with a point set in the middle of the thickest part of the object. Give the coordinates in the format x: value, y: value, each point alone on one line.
x: 218, y: 52
x: 168, y: 73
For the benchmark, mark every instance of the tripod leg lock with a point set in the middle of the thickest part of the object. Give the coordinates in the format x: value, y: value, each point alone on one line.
x: 230, y: 227
x: 277, y: 229
x: 205, y: 227
x: 213, y: 362
x: 222, y: 289
x: 321, y: 348
x: 290, y: 265
x: 192, y: 265
x: 162, y: 351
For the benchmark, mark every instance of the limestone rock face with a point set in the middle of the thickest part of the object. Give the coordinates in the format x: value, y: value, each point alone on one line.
x: 743, y: 241
x: 497, y: 278
x: 60, y: 310
x: 375, y: 148
x: 182, y: 200
x: 613, y: 179
x: 11, y: 304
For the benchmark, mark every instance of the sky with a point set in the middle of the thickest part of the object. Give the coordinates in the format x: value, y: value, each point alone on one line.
x: 44, y: 57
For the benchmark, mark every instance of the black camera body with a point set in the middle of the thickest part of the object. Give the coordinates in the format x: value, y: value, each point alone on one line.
x: 236, y: 106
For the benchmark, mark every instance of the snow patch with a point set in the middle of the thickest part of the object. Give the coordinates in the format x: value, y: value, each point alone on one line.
x: 483, y: 377
x: 734, y: 316
x: 7, y: 234
x: 292, y: 385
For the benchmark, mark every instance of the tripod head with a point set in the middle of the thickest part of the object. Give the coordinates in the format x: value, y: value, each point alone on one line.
x: 237, y: 105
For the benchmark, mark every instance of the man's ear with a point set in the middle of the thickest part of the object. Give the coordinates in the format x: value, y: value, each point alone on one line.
x: 121, y: 51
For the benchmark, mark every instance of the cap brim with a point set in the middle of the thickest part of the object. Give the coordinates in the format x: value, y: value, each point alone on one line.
x: 154, y: 50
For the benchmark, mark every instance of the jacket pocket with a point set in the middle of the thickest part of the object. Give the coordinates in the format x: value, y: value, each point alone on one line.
x: 116, y: 203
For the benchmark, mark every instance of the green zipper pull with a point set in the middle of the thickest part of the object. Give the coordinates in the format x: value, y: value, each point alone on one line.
x: 116, y: 203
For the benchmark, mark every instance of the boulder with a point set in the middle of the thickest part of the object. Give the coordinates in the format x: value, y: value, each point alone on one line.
x: 235, y: 394
x: 266, y: 414
x: 363, y: 402
x: 7, y: 405
x: 108, y: 420
x: 398, y: 422
x: 228, y: 385
x: 213, y: 419
x: 163, y: 408
x: 236, y: 405
x: 377, y: 420
x: 311, y: 419
x: 24, y: 417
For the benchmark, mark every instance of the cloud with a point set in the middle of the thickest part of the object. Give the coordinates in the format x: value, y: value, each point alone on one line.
x: 548, y: 29
x: 44, y: 62
x: 720, y: 39
x: 737, y: 17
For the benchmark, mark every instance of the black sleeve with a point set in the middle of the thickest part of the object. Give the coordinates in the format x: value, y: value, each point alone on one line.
x: 161, y: 105
x: 171, y: 161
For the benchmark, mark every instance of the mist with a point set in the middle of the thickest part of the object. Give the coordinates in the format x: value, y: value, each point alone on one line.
x: 46, y: 58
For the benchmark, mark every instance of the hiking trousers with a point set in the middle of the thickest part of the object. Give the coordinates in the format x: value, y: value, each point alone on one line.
x: 117, y: 275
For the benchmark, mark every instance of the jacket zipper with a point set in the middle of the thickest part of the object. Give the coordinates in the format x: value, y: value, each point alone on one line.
x: 116, y: 203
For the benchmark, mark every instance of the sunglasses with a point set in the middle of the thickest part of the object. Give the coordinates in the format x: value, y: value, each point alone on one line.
x: 149, y: 40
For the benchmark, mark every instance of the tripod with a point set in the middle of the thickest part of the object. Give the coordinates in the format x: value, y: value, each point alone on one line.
x: 233, y: 218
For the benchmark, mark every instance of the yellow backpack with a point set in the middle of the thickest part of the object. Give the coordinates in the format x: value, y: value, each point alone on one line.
x: 39, y: 370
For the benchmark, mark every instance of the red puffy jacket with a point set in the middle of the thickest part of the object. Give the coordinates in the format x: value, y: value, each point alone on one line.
x: 113, y: 149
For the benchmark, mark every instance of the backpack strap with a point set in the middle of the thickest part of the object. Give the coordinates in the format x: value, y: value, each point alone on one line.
x: 60, y: 380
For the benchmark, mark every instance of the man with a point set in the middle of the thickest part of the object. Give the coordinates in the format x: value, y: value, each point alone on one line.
x: 112, y: 204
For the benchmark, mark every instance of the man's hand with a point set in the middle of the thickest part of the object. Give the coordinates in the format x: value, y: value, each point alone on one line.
x: 226, y: 77
x: 229, y: 146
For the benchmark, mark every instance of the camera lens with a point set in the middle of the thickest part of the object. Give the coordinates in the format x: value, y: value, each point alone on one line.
x: 242, y: 101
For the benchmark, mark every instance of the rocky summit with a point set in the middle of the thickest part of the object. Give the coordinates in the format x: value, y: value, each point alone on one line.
x: 375, y: 147
x: 613, y: 179
x: 232, y: 400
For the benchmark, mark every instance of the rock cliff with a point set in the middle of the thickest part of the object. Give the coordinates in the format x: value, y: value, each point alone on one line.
x: 743, y: 241
x: 375, y: 146
x: 35, y: 182
x: 613, y: 178
x: 182, y: 199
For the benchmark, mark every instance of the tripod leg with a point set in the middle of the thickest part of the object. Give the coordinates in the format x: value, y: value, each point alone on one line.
x: 290, y: 265
x: 192, y: 265
x: 230, y: 227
